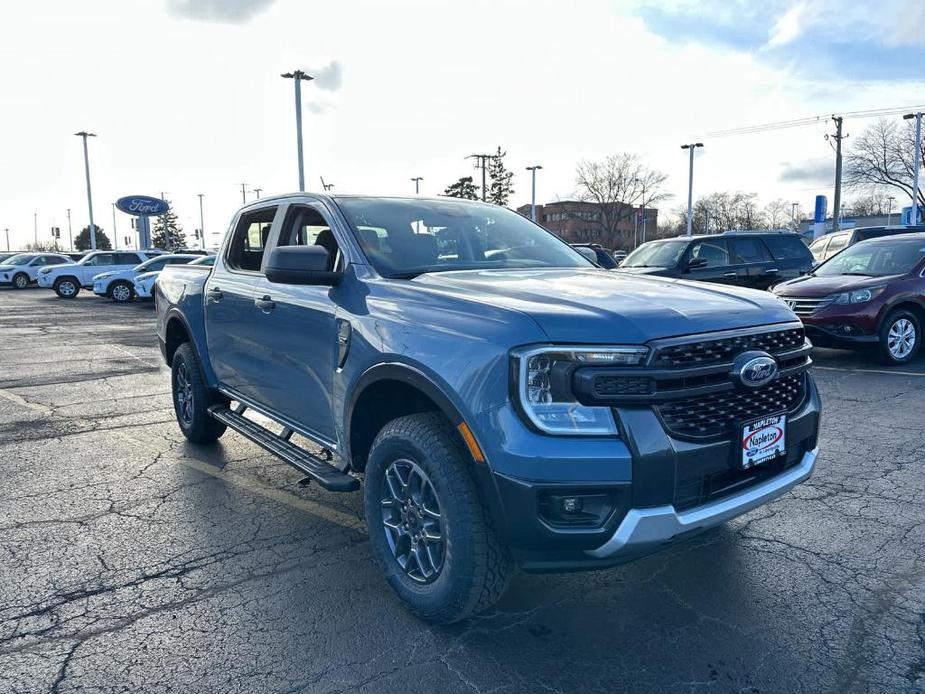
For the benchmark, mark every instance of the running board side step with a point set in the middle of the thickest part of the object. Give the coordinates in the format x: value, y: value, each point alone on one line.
x: 279, y: 445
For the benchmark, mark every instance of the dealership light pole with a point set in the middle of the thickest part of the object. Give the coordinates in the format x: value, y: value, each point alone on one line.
x: 84, y: 134
x: 889, y: 209
x: 115, y: 234
x: 690, y: 183
x: 641, y: 180
x: 35, y: 230
x: 917, y: 164
x: 7, y: 238
x: 793, y: 215
x: 298, y: 76
x: 70, y: 231
x: 417, y: 184
x: 533, y: 169
x: 202, y: 229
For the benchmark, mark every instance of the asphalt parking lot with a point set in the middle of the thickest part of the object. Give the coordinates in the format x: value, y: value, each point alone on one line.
x: 131, y: 560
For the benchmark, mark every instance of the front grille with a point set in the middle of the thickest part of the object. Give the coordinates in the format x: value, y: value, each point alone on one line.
x: 716, y: 415
x: 725, y: 349
x: 804, y: 307
x: 606, y: 386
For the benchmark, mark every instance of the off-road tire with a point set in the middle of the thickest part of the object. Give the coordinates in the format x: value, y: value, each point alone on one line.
x: 476, y: 565
x: 186, y: 379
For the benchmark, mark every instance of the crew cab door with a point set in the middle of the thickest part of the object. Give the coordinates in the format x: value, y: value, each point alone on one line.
x: 233, y: 335
x: 299, y: 328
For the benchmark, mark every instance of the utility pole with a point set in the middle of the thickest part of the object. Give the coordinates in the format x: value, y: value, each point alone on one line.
x: 70, y: 231
x: 297, y: 76
x: 7, y: 238
x: 837, y: 202
x: 533, y: 169
x: 690, y: 183
x: 244, y: 195
x: 202, y: 228
x: 481, y: 160
x: 84, y: 134
x: 257, y: 192
x: 793, y: 215
x: 115, y: 234
x: 889, y: 209
x: 917, y: 164
x: 640, y: 180
x: 417, y: 184
x: 35, y: 225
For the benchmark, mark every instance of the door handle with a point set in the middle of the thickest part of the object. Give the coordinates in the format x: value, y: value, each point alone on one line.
x: 215, y: 294
x: 730, y: 274
x: 265, y: 304
x: 771, y: 271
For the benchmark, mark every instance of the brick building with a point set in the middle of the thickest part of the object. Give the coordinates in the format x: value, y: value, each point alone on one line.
x: 579, y: 222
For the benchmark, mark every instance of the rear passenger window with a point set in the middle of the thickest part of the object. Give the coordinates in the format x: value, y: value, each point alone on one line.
x: 713, y: 251
x: 836, y: 244
x: 250, y: 239
x: 127, y: 259
x: 787, y: 248
x: 750, y: 251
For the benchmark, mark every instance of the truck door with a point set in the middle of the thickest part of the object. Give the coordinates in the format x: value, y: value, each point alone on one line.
x: 298, y: 326
x: 232, y: 327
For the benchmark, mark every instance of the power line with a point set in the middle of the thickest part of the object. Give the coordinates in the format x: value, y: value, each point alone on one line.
x: 811, y: 120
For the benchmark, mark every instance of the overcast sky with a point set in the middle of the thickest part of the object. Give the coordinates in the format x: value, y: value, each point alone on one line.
x: 186, y: 98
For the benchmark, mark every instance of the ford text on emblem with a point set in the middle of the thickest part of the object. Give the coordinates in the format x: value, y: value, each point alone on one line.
x: 754, y: 369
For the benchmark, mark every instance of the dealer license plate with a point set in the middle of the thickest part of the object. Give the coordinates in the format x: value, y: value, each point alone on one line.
x: 763, y: 440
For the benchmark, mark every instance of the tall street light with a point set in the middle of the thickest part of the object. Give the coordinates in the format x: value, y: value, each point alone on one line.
x: 417, y: 184
x: 35, y: 230
x: 533, y: 169
x: 643, y: 182
x: 917, y: 159
x: 889, y: 209
x: 70, y: 231
x: 202, y: 229
x: 690, y: 184
x: 298, y: 76
x: 793, y: 215
x: 115, y: 234
x: 84, y: 134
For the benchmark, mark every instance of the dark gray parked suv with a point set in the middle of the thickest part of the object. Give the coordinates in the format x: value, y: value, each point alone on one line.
x: 742, y: 258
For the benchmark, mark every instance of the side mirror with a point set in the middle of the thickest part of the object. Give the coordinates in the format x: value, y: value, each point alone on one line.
x: 695, y: 263
x: 588, y: 253
x: 301, y: 265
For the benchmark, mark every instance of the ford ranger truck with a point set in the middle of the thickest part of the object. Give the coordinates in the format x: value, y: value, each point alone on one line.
x: 501, y: 401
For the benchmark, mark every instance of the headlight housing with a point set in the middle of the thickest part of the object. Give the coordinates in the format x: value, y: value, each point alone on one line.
x: 856, y: 296
x: 544, y: 387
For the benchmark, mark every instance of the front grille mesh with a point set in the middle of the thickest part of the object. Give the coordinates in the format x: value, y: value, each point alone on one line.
x: 608, y: 386
x: 717, y: 415
x: 721, y: 350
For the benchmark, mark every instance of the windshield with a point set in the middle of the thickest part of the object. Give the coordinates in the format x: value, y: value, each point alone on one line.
x: 874, y: 259
x: 656, y: 254
x: 20, y: 259
x: 406, y: 237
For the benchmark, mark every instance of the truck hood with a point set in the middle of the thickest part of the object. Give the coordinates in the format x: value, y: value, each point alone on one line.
x: 604, y: 307
x: 818, y: 287
x: 642, y: 270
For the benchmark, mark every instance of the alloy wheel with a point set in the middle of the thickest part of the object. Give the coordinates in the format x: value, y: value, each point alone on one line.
x: 412, y: 521
x: 901, y: 339
x: 67, y: 288
x: 121, y: 293
x: 21, y: 281
x: 184, y: 395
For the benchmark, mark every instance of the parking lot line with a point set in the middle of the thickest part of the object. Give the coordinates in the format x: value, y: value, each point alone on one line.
x: 888, y: 372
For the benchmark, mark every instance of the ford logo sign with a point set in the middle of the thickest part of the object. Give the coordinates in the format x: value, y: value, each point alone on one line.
x: 754, y: 369
x: 142, y: 205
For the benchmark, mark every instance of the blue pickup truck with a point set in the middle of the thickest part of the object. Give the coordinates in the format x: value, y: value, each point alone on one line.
x: 505, y: 402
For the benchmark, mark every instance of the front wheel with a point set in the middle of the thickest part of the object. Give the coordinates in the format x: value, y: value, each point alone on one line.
x: 427, y: 527
x: 67, y: 288
x: 21, y: 280
x: 900, y: 337
x: 192, y: 398
x: 121, y: 292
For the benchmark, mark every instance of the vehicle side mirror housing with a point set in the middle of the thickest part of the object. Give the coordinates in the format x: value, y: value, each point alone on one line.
x: 694, y: 263
x: 301, y: 265
x: 588, y: 253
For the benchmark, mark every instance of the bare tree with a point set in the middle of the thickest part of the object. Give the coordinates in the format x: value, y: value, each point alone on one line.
x: 777, y: 214
x: 868, y: 204
x: 882, y: 155
x: 617, y: 187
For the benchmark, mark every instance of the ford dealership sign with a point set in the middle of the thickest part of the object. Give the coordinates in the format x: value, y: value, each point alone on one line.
x: 142, y: 205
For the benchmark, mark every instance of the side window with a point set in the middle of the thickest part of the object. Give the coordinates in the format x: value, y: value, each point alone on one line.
x: 836, y: 244
x: 750, y: 251
x: 157, y: 265
x: 786, y: 248
x: 713, y: 251
x: 127, y: 259
x: 818, y: 248
x: 249, y: 240
x: 102, y: 259
x: 305, y: 226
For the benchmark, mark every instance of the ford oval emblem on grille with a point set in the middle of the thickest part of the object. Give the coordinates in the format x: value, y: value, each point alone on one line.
x: 754, y: 369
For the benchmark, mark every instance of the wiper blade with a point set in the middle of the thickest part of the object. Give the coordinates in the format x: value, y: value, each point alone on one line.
x: 857, y: 274
x: 405, y: 275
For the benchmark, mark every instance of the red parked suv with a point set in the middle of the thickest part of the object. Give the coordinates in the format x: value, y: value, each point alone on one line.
x: 871, y: 294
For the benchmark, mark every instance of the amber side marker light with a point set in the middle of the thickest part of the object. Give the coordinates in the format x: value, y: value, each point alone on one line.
x: 471, y: 443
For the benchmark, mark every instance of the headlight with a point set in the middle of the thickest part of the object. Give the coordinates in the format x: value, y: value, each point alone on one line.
x: 544, y: 387
x: 858, y: 296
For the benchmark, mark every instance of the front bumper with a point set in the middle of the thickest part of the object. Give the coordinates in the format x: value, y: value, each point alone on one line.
x: 45, y: 281
x: 644, y: 530
x: 143, y: 290
x: 100, y: 288
x: 843, y: 334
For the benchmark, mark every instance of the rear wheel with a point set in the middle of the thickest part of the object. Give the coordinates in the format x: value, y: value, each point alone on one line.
x: 428, y: 529
x: 21, y: 280
x: 900, y: 337
x: 121, y: 292
x: 67, y: 287
x: 192, y: 398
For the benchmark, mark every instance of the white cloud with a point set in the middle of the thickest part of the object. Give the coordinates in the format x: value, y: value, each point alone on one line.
x: 230, y: 11
x: 788, y: 26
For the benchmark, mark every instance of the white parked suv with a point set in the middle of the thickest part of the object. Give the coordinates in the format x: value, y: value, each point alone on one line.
x: 21, y: 269
x: 119, y: 285
x: 67, y: 280
x: 144, y: 282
